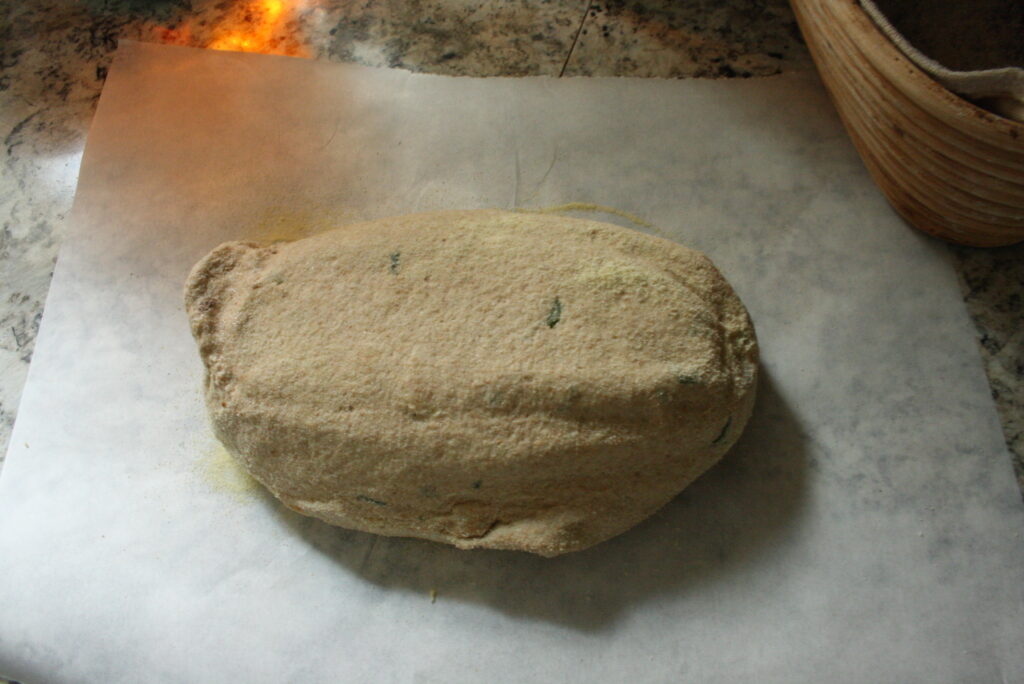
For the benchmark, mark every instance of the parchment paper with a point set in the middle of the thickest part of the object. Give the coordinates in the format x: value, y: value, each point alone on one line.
x: 865, y: 529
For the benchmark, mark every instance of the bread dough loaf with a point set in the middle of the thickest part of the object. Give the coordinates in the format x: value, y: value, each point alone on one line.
x: 481, y: 378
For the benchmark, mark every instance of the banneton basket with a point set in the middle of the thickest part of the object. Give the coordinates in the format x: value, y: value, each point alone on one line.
x: 948, y: 167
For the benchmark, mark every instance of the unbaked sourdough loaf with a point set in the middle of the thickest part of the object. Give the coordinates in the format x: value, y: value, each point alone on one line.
x: 481, y: 378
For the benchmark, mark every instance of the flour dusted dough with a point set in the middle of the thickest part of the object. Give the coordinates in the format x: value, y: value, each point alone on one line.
x: 482, y: 378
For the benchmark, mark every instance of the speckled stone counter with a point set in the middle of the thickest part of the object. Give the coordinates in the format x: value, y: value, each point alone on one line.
x: 54, y: 56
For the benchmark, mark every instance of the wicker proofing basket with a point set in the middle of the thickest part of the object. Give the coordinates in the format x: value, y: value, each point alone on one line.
x: 948, y: 167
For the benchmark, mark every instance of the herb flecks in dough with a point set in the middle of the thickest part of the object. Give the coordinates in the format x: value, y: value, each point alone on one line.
x: 370, y: 500
x: 723, y: 433
x: 555, y: 314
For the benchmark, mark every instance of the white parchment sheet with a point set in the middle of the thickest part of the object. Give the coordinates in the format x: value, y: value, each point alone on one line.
x: 866, y: 528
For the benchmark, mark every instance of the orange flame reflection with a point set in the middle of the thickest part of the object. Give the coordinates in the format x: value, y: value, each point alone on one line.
x: 258, y: 36
x: 264, y: 26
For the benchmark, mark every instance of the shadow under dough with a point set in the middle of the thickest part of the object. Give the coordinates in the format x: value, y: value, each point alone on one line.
x: 725, y: 520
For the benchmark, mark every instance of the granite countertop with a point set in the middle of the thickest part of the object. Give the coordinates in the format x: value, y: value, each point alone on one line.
x: 54, y: 56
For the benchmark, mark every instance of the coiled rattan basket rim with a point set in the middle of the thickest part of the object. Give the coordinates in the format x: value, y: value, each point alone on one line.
x: 840, y: 30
